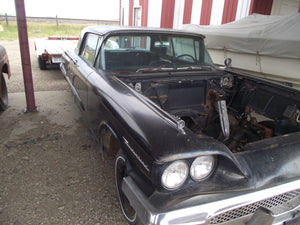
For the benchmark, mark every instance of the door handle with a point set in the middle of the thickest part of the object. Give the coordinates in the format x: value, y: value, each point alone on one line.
x: 75, y: 61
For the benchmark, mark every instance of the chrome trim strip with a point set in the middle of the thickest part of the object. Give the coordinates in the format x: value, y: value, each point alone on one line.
x: 135, y: 154
x: 189, y: 214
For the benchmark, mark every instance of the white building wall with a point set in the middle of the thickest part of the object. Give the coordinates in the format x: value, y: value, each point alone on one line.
x: 154, y: 13
x: 125, y: 10
x: 279, y: 7
x: 217, y: 12
x: 285, y: 7
x: 196, y: 12
x: 243, y: 8
x: 178, y: 15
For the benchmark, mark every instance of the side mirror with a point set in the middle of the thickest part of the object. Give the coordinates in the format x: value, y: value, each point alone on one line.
x: 228, y: 62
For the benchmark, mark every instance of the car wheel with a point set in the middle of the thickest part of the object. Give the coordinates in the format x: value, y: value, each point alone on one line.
x: 3, y: 94
x: 121, y: 172
x: 42, y: 64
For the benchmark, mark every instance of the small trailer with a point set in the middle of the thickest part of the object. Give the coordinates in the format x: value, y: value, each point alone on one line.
x: 49, y: 51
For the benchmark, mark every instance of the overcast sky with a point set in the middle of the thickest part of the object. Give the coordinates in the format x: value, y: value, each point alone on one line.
x: 82, y: 9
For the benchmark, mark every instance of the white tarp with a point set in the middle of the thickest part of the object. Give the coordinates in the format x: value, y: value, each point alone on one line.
x: 276, y: 36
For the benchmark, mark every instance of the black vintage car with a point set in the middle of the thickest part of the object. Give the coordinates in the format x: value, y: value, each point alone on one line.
x: 194, y: 144
x: 4, y: 69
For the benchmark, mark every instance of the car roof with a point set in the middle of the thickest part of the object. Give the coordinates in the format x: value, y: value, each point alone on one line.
x: 105, y: 30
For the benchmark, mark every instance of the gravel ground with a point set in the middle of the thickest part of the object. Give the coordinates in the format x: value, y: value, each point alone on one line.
x: 50, y: 169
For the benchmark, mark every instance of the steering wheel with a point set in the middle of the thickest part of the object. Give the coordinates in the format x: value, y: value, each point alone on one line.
x: 186, y: 55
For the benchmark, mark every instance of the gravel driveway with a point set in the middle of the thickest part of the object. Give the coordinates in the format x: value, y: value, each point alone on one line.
x: 50, y: 170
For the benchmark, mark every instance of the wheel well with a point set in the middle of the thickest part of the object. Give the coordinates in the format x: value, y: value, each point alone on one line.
x: 5, y: 69
x: 110, y: 143
x: 108, y: 140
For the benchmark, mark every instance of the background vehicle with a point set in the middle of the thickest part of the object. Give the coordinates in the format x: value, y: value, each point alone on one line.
x: 50, y: 51
x: 4, y: 69
x: 194, y: 144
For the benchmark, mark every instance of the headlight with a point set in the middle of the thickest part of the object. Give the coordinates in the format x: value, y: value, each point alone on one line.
x: 202, y: 167
x: 175, y: 174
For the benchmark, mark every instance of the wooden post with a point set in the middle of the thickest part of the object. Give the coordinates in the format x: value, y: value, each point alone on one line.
x: 56, y: 21
x: 25, y: 55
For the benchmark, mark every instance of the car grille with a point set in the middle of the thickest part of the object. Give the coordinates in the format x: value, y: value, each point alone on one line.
x: 268, y: 203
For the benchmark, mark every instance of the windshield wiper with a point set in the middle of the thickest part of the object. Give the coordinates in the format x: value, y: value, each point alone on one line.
x: 207, y: 68
x: 153, y: 69
x: 161, y: 68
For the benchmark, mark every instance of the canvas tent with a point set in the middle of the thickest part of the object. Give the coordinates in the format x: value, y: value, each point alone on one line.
x: 269, y: 46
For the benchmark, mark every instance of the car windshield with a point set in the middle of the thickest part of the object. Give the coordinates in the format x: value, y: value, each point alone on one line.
x: 153, y: 52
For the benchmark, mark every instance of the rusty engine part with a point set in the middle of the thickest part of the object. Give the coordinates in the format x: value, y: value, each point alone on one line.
x: 250, y: 131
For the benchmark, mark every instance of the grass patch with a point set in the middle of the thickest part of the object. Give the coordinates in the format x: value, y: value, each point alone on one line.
x: 41, y: 29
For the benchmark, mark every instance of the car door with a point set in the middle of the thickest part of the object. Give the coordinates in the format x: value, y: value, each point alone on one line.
x: 82, y: 66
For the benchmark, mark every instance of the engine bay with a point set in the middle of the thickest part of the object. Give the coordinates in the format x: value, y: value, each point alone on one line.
x: 233, y: 109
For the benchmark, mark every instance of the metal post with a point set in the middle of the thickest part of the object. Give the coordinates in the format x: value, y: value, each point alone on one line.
x: 25, y: 55
x: 56, y: 21
x: 6, y: 19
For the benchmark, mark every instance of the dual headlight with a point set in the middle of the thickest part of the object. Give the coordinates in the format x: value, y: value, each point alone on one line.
x: 177, y: 172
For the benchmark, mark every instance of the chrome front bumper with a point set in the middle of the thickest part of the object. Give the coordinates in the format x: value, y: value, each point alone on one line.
x: 274, y: 205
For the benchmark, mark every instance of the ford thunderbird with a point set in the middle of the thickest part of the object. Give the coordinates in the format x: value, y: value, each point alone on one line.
x: 193, y: 143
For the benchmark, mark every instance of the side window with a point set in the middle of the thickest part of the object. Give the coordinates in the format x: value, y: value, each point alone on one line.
x: 124, y: 52
x: 89, y: 48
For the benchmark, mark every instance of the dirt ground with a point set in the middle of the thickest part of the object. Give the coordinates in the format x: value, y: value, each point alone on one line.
x: 51, y: 172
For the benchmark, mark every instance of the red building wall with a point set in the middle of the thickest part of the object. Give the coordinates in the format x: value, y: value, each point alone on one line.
x: 261, y: 6
x: 229, y: 12
x: 206, y: 12
x: 167, y: 13
x: 131, y: 12
x: 187, y: 11
x: 144, y: 4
